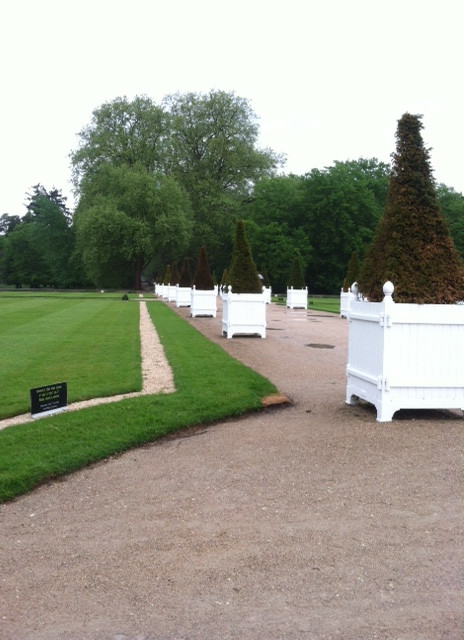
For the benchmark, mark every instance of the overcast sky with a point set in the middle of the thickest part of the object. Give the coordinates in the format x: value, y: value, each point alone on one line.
x: 328, y: 79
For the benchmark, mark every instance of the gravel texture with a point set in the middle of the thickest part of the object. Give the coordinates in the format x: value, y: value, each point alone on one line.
x: 306, y: 521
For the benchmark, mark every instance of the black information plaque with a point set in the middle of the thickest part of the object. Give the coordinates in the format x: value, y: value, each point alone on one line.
x: 53, y: 397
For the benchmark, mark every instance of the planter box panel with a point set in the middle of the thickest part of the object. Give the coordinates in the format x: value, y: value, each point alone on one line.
x: 203, y: 302
x: 297, y: 298
x: 405, y: 356
x: 183, y: 296
x: 243, y: 314
x: 346, y: 299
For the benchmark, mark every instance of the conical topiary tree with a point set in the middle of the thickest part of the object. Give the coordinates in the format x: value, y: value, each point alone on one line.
x: 167, y: 275
x: 202, y: 278
x: 242, y: 273
x: 352, y: 273
x: 296, y: 277
x: 224, y: 278
x: 185, y: 279
x: 175, y: 274
x: 412, y: 245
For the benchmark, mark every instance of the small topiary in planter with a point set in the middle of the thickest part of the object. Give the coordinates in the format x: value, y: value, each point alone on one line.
x: 412, y: 246
x: 183, y: 290
x: 175, y: 274
x: 166, y: 281
x: 202, y: 278
x: 348, y: 293
x: 224, y: 280
x: 185, y: 279
x: 297, y: 292
x: 296, y: 277
x: 243, y: 304
x: 407, y: 353
x: 242, y: 273
x: 352, y: 272
x: 167, y: 274
x: 203, y: 294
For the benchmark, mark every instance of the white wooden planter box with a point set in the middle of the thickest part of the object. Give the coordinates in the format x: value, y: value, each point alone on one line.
x: 297, y: 298
x: 405, y: 356
x: 346, y: 298
x: 203, y: 302
x: 172, y: 292
x: 267, y: 292
x: 243, y: 313
x: 165, y: 293
x: 183, y: 296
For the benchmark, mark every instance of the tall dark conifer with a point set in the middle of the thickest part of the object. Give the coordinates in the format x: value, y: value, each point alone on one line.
x: 185, y: 279
x: 412, y: 245
x: 296, y: 277
x: 202, y: 278
x: 242, y: 273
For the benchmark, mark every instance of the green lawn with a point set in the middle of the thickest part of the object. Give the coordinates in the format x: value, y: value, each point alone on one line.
x: 92, y: 343
x: 332, y: 305
x: 319, y: 303
x: 210, y: 386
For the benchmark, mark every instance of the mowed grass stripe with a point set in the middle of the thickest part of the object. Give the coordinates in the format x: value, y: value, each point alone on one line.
x: 210, y: 386
x: 92, y: 344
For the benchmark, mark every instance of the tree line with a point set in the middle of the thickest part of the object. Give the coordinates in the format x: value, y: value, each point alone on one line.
x: 154, y: 183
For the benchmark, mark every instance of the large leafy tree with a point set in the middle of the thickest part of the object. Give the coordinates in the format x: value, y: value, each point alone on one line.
x: 343, y: 204
x: 322, y: 217
x: 214, y: 154
x: 38, y: 249
x: 8, y: 223
x: 121, y: 132
x: 275, y: 227
x: 412, y: 246
x: 126, y: 217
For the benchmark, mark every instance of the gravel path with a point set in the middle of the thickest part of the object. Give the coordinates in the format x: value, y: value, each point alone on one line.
x: 306, y: 522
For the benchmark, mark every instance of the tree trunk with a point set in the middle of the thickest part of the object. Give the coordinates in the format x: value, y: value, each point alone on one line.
x: 138, y: 274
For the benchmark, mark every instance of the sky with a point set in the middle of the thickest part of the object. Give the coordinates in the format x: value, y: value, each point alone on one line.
x: 327, y: 79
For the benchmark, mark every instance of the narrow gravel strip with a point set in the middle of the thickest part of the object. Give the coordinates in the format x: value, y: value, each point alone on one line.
x: 156, y: 373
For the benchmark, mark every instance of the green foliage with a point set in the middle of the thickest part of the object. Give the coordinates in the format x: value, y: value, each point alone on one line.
x: 202, y: 278
x: 167, y: 275
x: 91, y: 343
x: 185, y: 278
x: 352, y: 273
x: 452, y: 207
x: 343, y: 203
x: 8, y: 223
x: 174, y: 274
x: 214, y: 155
x: 210, y: 386
x: 412, y: 246
x: 205, y: 143
x: 125, y: 217
x: 242, y: 273
x: 37, y: 250
x: 323, y: 216
x: 296, y: 277
x: 122, y: 132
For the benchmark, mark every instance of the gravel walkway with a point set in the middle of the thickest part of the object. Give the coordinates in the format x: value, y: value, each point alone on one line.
x: 306, y: 522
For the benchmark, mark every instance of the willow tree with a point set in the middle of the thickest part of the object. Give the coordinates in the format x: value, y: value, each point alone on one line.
x: 412, y: 245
